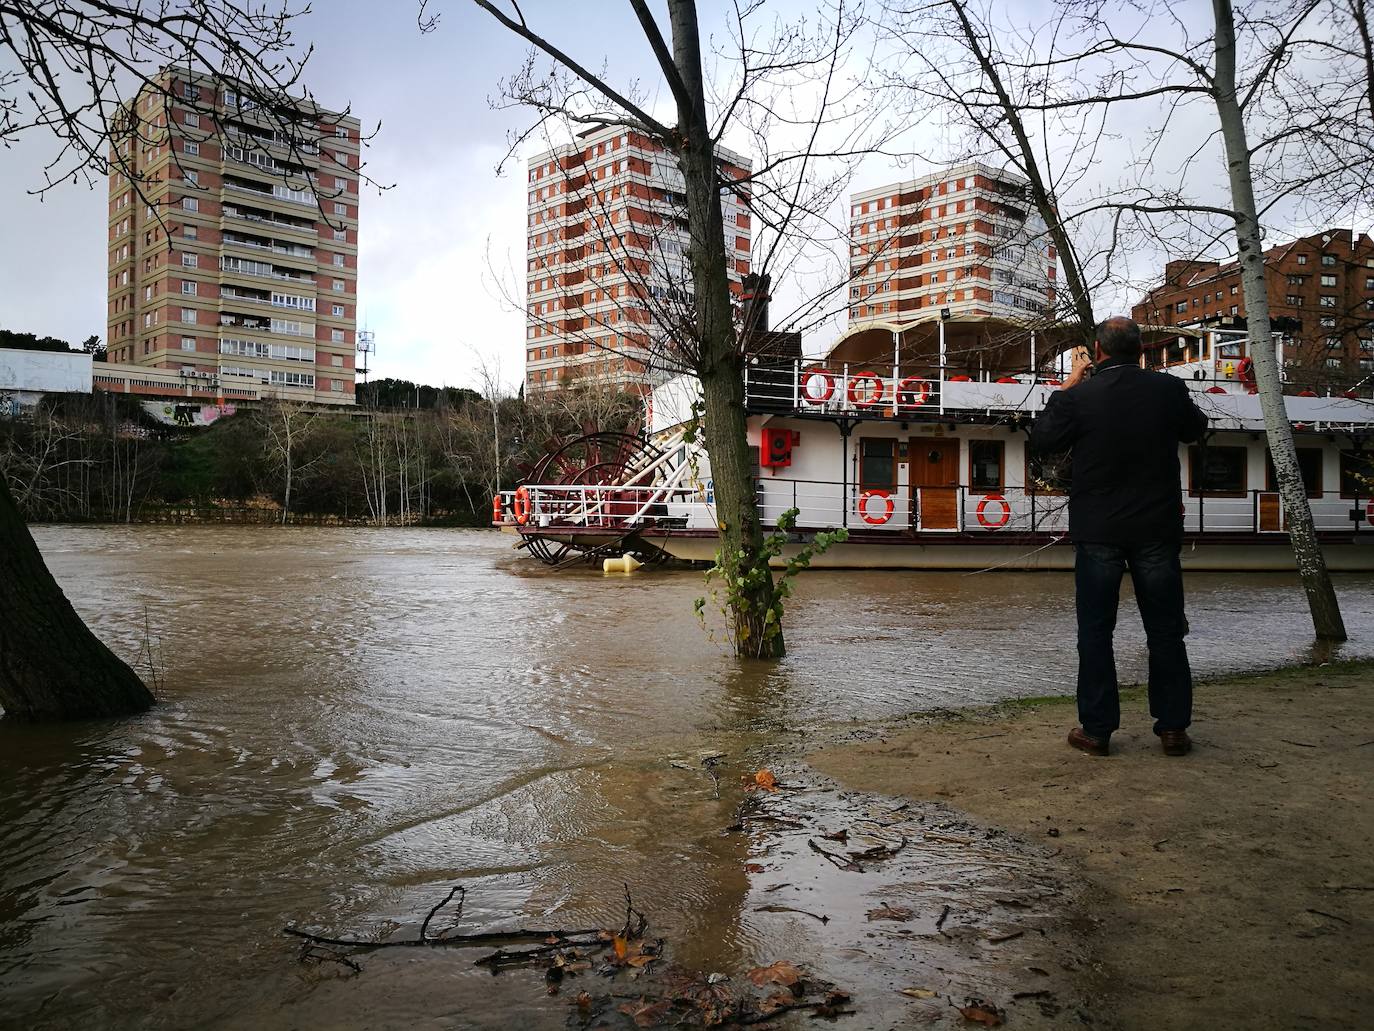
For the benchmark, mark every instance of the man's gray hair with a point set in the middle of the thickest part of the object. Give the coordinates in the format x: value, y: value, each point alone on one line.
x: 1119, y: 337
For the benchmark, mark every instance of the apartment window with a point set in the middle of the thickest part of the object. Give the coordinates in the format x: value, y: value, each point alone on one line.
x: 336, y: 360
x: 338, y: 286
x: 1296, y: 280
x: 338, y: 261
x: 336, y: 336
x: 190, y: 204
x: 338, y: 309
x: 1181, y: 307
x: 188, y: 260
x: 188, y: 343
x: 1328, y: 280
x: 190, y: 92
x: 192, y: 176
x: 1327, y: 301
x: 188, y: 287
x: 341, y: 132
x: 342, y: 234
x: 1234, y: 289
x: 336, y: 386
x: 147, y: 321
x: 1328, y: 259
x: 191, y: 147
x: 1302, y: 259
x: 189, y: 232
x: 1235, y: 309
x: 1328, y: 322
x: 1216, y: 471
x: 340, y: 208
x: 985, y: 465
x: 1293, y: 299
x: 147, y: 293
x: 188, y: 315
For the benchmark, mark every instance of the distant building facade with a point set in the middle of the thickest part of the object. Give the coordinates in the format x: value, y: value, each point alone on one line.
x: 240, y: 271
x: 606, y: 255
x: 1321, y: 297
x: 966, y: 240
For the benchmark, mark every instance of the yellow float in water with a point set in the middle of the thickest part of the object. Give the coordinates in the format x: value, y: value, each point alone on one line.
x: 626, y: 563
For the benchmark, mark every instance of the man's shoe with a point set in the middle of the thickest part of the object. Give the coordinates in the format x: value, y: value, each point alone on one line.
x: 1175, y: 742
x: 1085, y: 742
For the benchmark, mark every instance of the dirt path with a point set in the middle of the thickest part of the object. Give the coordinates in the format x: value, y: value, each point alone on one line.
x: 1230, y: 888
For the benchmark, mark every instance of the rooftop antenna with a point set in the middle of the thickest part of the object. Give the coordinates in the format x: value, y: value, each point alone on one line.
x: 367, y: 346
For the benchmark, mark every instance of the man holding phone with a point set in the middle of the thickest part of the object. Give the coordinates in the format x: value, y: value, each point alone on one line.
x: 1123, y: 427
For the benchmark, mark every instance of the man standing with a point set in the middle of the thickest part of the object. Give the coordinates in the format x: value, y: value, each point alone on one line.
x: 1123, y: 427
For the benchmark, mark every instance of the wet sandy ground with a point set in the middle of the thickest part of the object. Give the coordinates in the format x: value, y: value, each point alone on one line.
x: 1230, y: 888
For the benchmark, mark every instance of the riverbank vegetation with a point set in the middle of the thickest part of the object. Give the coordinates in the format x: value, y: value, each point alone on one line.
x: 105, y: 458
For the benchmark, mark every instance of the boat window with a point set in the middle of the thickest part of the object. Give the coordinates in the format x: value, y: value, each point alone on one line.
x: 1309, y: 464
x: 1216, y: 470
x: 877, y: 464
x: 985, y: 464
x: 1048, y: 474
x: 1357, y: 474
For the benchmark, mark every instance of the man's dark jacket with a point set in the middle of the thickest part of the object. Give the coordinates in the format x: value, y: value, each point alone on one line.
x: 1123, y: 426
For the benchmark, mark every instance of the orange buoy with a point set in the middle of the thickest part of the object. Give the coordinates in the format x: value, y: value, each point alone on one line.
x: 522, y: 505
x: 1003, y: 516
x: 888, y: 507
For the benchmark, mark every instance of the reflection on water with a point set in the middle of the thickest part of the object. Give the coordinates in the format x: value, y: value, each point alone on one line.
x: 355, y: 719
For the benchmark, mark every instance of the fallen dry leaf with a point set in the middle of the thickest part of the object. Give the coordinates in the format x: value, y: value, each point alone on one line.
x: 777, y: 1001
x: 584, y: 1001
x: 979, y: 1012
x: 646, y: 1014
x: 781, y: 972
x: 622, y: 948
x: 764, y: 779
x: 753, y: 868
x: 918, y: 993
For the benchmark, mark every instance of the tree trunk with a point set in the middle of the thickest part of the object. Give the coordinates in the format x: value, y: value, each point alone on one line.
x: 1316, y: 579
x: 51, y: 666
x: 746, y: 579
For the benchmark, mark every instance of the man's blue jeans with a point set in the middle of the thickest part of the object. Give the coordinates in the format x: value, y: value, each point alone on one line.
x: 1158, y: 581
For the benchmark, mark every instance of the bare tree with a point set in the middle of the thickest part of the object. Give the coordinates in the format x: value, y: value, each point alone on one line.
x: 790, y: 94
x: 286, y: 427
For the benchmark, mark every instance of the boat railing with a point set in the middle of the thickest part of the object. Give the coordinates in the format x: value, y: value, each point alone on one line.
x: 927, y: 510
x: 817, y: 388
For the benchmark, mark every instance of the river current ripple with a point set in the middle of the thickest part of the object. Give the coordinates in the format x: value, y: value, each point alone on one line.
x: 354, y: 719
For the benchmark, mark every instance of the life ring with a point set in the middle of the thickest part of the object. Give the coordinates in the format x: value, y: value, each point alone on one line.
x: 1245, y: 371
x: 1003, y: 517
x: 827, y: 378
x: 917, y: 390
x: 874, y: 395
x: 522, y: 505
x: 869, y: 517
x: 497, y: 513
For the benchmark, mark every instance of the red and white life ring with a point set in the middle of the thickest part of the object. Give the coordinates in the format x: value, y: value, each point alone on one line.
x: 875, y: 391
x: 912, y: 392
x: 1003, y: 516
x: 827, y: 386
x: 522, y: 505
x: 888, y: 507
x: 498, y: 514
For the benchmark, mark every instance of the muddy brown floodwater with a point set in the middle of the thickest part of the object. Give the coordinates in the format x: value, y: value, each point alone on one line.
x: 353, y: 721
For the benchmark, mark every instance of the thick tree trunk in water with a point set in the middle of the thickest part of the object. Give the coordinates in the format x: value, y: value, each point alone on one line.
x: 747, y: 581
x: 51, y: 666
x: 1316, y: 579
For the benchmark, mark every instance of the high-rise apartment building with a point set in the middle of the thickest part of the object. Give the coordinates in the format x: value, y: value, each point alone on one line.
x: 239, y: 265
x: 966, y: 239
x: 606, y: 258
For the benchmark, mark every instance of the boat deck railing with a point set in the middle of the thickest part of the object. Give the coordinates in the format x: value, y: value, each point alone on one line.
x: 931, y: 510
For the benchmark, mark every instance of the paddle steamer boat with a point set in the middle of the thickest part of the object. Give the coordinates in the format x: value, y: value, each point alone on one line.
x: 913, y: 436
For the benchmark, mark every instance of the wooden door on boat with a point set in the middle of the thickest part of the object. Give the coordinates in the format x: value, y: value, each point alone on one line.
x: 934, y: 466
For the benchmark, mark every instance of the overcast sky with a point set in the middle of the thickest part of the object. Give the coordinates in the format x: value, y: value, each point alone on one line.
x: 429, y: 246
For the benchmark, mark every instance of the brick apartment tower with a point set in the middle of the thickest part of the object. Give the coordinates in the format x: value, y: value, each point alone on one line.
x: 1321, y: 287
x: 606, y: 232
x: 966, y: 239
x: 250, y: 277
